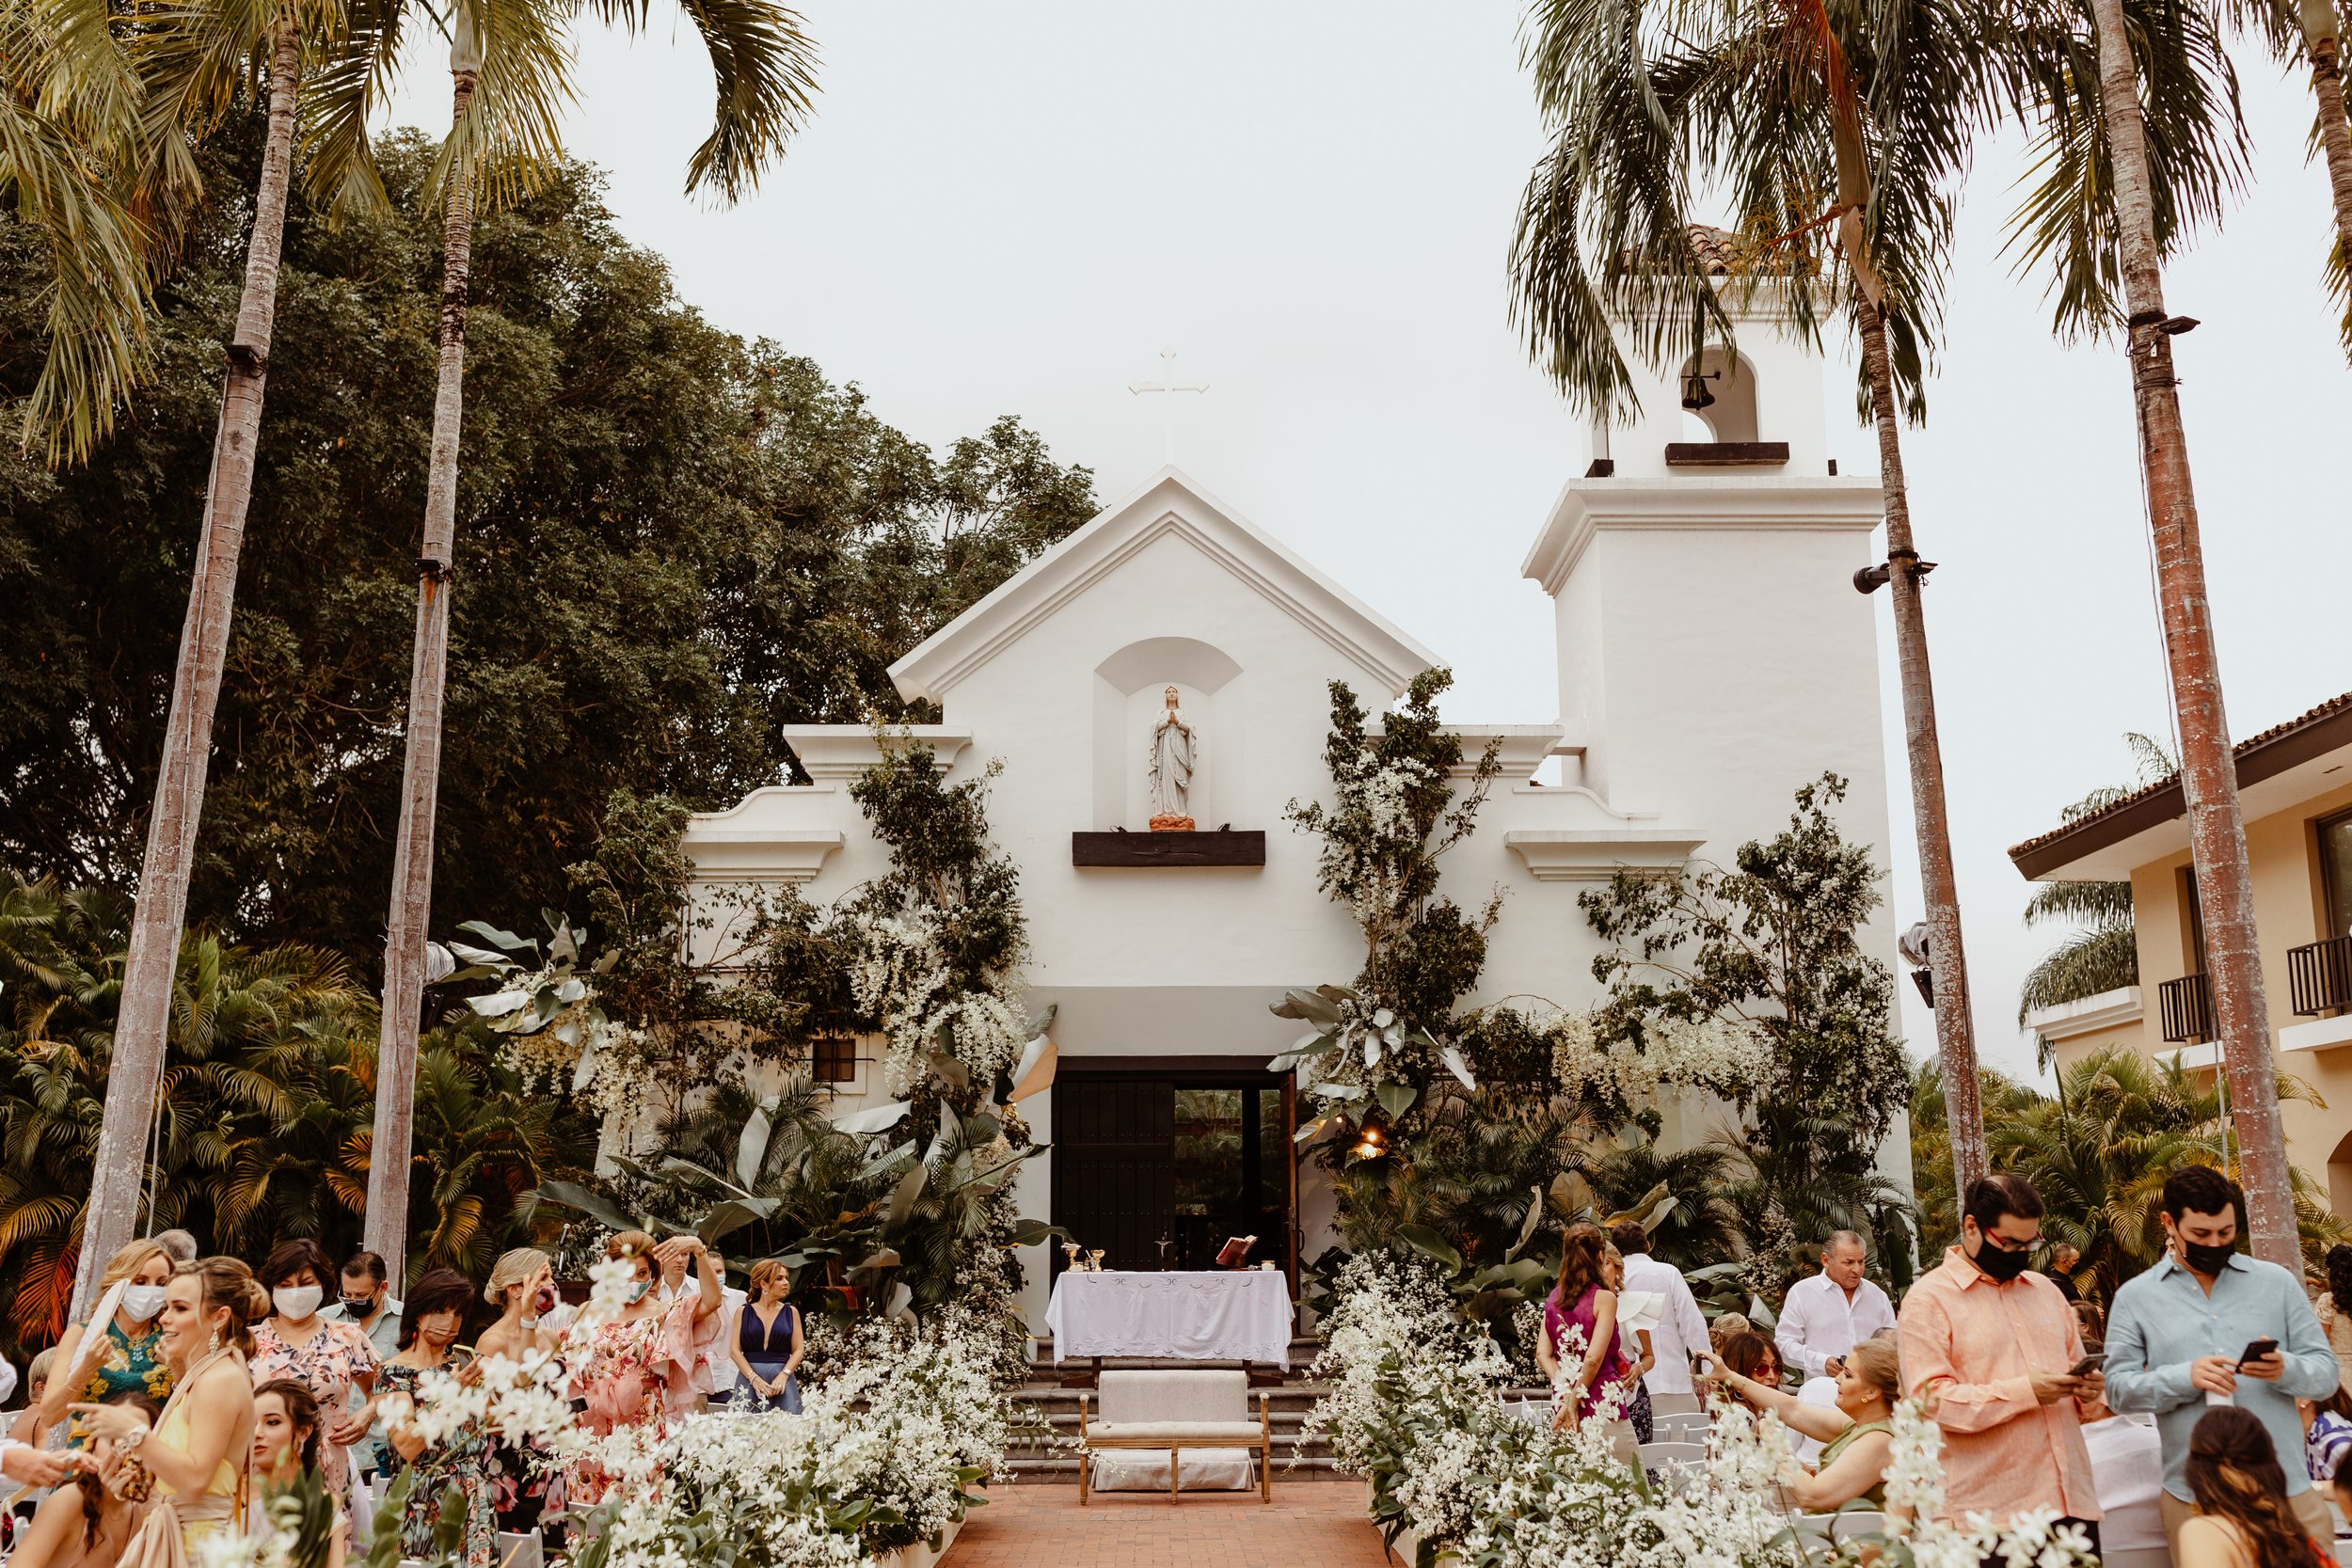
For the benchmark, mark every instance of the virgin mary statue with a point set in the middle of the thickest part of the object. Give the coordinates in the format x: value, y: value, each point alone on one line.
x: 1171, y: 768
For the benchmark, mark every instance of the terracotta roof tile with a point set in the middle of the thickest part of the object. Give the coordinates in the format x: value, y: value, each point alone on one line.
x: 2332, y: 706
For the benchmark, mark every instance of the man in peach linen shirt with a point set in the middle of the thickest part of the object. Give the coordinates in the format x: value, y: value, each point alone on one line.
x: 1989, y: 1345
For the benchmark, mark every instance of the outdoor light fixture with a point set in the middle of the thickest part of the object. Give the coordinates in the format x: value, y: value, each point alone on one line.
x: 1913, y: 945
x: 1869, y: 579
x: 1369, y: 1149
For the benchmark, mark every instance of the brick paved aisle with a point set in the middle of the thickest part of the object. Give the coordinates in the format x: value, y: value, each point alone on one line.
x: 1309, y: 1524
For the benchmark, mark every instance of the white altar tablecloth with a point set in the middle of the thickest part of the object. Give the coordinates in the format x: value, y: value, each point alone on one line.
x: 1236, y: 1315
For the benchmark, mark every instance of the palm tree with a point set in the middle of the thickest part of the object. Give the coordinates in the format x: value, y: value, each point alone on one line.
x: 1937, y: 1194
x: 1839, y: 138
x: 2103, y: 953
x: 265, y: 1082
x: 2169, y: 162
x: 2099, y: 1150
x: 198, y: 66
x: 68, y: 125
x: 2307, y: 31
x: 765, y: 70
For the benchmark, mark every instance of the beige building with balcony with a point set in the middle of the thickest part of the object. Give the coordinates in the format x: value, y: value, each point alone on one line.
x: 2296, y: 784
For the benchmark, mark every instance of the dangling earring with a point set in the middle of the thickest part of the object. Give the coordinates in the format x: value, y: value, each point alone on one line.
x: 211, y: 1346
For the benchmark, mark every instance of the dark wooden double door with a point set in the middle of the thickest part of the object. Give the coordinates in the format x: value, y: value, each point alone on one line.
x: 1159, y: 1164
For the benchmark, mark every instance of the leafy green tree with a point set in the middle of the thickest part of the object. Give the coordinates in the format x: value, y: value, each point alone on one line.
x: 678, y: 542
x: 1775, y: 944
x: 263, y: 1115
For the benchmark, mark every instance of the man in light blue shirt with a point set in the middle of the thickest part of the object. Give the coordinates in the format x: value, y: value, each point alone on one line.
x: 2177, y: 1338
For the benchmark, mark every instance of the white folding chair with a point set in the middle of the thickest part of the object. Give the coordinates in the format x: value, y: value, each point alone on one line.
x: 1659, y: 1456
x: 1849, y: 1523
x: 1690, y: 1428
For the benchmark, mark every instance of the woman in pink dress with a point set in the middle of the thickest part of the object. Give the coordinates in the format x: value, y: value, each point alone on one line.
x: 329, y: 1359
x: 641, y: 1364
x: 1590, y: 1367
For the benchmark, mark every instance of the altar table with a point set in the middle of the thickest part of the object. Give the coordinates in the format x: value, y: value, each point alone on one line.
x: 1229, y: 1315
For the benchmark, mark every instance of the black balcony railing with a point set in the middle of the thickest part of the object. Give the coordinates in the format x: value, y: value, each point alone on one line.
x: 2319, y: 976
x: 2186, y: 1008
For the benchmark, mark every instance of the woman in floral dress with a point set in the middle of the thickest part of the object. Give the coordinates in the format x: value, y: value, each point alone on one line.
x: 641, y: 1364
x: 429, y: 1325
x: 328, y: 1359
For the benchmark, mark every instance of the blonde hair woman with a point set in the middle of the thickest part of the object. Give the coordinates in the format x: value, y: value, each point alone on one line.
x: 201, y: 1448
x: 1856, y: 1431
x: 522, y: 1484
x: 116, y: 1355
x: 767, y: 1346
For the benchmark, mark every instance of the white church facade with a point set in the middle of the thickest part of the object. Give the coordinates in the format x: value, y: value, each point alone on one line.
x: 1712, y: 655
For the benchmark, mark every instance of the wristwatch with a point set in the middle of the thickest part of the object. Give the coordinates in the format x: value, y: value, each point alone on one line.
x: 131, y: 1441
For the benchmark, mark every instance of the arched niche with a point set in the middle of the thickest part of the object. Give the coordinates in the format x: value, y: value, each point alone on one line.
x: 1730, y: 380
x: 1128, y: 699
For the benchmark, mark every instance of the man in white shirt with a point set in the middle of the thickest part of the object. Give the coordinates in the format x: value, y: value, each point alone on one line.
x: 1681, y: 1325
x: 1830, y: 1313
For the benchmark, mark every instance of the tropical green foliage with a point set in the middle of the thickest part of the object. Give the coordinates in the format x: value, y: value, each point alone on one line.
x: 1932, y: 1148
x: 265, y: 1104
x: 677, y: 542
x: 2103, y: 952
x: 2098, y: 1151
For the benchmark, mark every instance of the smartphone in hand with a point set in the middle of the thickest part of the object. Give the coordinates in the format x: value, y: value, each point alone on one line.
x: 2255, y: 1351
x: 2087, y: 1366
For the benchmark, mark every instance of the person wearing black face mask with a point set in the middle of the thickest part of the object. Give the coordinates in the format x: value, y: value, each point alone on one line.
x: 2178, y: 1336
x: 1992, y: 1351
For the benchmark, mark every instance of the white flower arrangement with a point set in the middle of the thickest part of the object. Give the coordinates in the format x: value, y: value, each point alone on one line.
x: 1415, y: 1405
x: 880, y: 1456
x: 899, y: 975
x: 1675, y: 1054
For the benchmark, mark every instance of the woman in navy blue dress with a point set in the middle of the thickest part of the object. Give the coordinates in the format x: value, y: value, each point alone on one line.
x: 767, y: 1345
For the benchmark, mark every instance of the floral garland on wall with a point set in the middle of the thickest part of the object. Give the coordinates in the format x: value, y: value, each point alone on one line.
x: 1415, y: 1405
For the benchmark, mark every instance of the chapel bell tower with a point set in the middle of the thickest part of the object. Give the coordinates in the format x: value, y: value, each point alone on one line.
x: 1701, y: 572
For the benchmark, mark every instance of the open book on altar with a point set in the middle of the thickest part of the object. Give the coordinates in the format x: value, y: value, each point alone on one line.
x: 1235, y: 1254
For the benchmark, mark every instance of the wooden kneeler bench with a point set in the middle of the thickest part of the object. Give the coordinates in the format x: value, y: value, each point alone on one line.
x: 1176, y: 1410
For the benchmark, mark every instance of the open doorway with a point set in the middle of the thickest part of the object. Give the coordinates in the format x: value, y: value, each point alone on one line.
x: 1159, y: 1164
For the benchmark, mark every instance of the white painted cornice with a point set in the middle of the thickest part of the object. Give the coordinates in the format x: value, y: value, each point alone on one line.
x: 1522, y: 749
x: 1696, y: 502
x: 846, y: 750
x: 2087, y: 1015
x: 1595, y: 854
x: 1168, y: 505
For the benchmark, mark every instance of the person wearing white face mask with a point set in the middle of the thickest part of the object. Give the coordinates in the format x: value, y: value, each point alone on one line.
x: 328, y: 1359
x: 116, y: 1357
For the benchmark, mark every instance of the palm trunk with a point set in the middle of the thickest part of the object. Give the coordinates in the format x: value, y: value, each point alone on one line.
x: 2216, y: 831
x: 412, y: 855
x: 2335, y: 136
x: 142, y: 1021
x: 1955, y: 1031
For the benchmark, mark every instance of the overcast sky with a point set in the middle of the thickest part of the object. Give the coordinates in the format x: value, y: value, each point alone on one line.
x: 1011, y: 207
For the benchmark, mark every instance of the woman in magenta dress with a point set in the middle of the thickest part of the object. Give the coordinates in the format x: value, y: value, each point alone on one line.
x: 641, y: 1364
x: 1589, y: 1368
